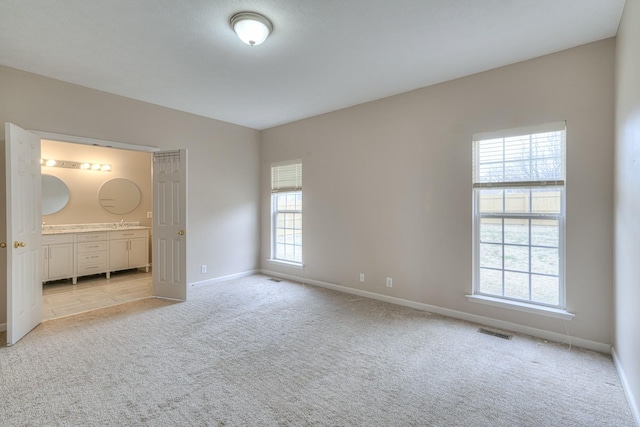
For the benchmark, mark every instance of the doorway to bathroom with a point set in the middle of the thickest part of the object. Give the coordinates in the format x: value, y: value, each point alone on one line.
x: 97, y: 188
x: 23, y: 264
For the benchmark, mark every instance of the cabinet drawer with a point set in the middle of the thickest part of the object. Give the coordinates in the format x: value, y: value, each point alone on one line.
x: 128, y: 234
x: 53, y: 239
x: 92, y: 258
x: 91, y: 237
x: 86, y: 247
x: 84, y: 270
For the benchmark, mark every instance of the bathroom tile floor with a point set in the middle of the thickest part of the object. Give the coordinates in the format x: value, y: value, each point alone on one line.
x: 62, y: 298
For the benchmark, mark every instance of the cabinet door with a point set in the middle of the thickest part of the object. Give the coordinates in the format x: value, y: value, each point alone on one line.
x: 139, y: 252
x: 118, y: 255
x: 60, y: 261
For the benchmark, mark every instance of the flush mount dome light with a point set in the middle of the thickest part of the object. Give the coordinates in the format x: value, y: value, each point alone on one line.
x: 252, y: 28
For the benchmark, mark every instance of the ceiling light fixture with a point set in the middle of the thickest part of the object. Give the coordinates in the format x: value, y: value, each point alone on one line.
x: 252, y: 28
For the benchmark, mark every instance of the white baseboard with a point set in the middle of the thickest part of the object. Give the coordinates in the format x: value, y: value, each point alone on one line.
x: 222, y: 278
x: 3, y: 327
x: 633, y: 405
x: 500, y: 324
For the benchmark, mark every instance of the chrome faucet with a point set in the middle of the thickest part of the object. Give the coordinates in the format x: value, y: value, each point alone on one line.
x: 122, y: 222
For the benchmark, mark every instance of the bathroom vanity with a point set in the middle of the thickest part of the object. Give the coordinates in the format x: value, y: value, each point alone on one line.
x: 75, y: 250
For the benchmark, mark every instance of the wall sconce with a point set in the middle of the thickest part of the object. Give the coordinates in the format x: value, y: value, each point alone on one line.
x: 75, y: 165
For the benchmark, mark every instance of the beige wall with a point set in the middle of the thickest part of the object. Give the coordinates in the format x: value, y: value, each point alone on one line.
x: 223, y: 229
x: 84, y: 186
x: 387, y: 185
x: 627, y: 201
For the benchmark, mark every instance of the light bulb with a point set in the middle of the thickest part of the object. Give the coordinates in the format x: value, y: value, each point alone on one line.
x: 50, y: 162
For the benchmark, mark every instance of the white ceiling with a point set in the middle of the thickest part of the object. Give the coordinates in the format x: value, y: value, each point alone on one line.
x: 322, y: 56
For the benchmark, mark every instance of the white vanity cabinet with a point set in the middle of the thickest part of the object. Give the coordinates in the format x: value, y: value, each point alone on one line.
x: 57, y: 256
x: 128, y: 249
x: 82, y: 251
x: 93, y: 256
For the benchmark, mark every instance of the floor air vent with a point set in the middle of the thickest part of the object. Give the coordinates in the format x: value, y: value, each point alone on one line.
x: 495, y: 334
x: 274, y: 279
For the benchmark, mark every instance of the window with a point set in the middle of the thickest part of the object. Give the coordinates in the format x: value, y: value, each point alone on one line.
x: 519, y: 214
x: 286, y: 206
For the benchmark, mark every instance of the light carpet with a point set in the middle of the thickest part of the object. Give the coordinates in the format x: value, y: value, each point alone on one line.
x: 252, y: 352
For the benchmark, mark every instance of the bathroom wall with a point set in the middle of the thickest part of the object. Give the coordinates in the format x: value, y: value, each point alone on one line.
x: 84, y: 185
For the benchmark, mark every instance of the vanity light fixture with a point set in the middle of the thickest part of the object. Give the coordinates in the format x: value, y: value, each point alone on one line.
x: 252, y: 28
x: 75, y: 165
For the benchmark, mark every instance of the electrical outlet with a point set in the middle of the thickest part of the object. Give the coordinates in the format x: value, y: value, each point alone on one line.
x: 362, y: 277
x: 149, y: 214
x: 389, y: 282
x: 203, y: 268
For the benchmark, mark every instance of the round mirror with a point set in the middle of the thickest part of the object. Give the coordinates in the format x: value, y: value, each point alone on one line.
x: 55, y: 194
x: 119, y: 196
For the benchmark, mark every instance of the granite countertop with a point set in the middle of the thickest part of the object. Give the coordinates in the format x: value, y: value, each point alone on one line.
x: 91, y: 228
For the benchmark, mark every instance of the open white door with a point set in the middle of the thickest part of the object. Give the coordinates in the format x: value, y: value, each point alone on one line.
x: 24, y: 232
x: 170, y: 224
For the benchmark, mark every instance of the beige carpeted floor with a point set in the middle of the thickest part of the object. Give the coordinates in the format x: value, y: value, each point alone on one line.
x: 252, y: 352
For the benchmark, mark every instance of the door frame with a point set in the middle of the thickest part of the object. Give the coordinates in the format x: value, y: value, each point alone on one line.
x: 93, y: 141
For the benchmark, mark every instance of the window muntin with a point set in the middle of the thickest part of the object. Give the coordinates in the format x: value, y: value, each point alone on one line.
x: 286, y: 205
x: 519, y: 216
x: 288, y: 226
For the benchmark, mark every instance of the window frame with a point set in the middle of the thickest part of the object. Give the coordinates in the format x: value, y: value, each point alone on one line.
x: 286, y: 179
x: 529, y: 216
x: 274, y: 226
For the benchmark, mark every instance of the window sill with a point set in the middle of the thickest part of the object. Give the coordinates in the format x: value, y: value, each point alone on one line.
x: 558, y: 313
x: 286, y: 263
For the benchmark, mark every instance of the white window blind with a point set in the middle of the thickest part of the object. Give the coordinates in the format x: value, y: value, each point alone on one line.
x: 286, y: 177
x: 523, y: 157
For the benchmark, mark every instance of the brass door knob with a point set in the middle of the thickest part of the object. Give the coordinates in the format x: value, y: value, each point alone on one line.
x: 17, y: 244
x: 3, y: 245
x: 181, y: 233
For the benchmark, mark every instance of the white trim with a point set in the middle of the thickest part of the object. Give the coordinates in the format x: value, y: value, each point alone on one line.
x: 286, y: 263
x: 222, y: 278
x: 633, y: 405
x: 286, y: 162
x: 500, y: 324
x: 92, y: 141
x: 522, y: 306
x: 3, y: 327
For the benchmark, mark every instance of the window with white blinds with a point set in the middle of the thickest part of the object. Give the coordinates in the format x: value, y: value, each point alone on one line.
x: 513, y: 158
x: 286, y: 207
x: 519, y: 214
x: 286, y: 177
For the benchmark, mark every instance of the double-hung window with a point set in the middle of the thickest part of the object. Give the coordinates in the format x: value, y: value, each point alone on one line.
x: 519, y: 214
x: 286, y: 207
